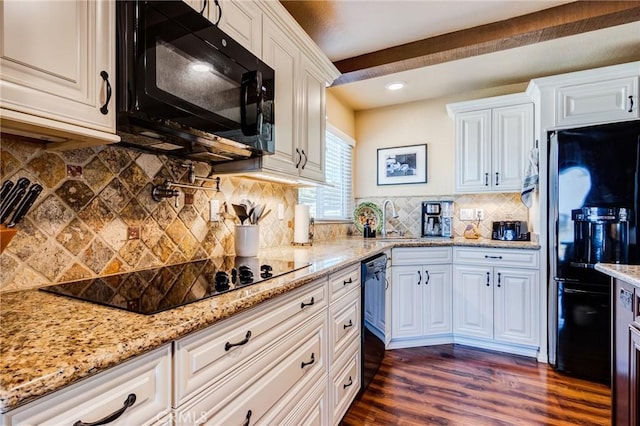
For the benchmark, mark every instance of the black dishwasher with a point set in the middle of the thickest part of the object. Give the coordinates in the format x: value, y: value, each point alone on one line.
x: 373, y: 298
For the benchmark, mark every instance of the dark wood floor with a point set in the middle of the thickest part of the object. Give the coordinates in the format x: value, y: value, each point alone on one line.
x: 458, y: 385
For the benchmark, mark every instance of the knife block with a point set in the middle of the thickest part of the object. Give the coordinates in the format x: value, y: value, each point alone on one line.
x: 6, y: 234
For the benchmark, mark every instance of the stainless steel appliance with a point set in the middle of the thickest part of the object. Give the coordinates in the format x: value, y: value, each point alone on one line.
x: 436, y: 219
x: 594, y: 180
x: 158, y: 289
x: 510, y: 231
x: 374, y: 283
x: 188, y: 90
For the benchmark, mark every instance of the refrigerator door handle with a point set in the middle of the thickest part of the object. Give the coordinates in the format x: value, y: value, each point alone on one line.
x: 566, y: 280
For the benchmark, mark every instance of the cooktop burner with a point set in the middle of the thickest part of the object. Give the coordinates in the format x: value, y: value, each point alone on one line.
x: 154, y: 290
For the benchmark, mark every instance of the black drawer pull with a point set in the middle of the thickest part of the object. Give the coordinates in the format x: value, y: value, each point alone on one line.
x: 229, y: 345
x: 105, y: 77
x: 419, y: 277
x: 486, y: 179
x: 131, y: 399
x: 345, y: 326
x: 247, y: 419
x: 630, y: 103
x: 486, y: 256
x: 428, y: 277
x: 349, y: 281
x: 348, y: 384
x: 302, y: 305
x: 488, y: 281
x: 498, y: 279
x: 313, y: 359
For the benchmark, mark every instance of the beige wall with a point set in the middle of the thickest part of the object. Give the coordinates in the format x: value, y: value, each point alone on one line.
x: 340, y: 115
x: 411, y: 124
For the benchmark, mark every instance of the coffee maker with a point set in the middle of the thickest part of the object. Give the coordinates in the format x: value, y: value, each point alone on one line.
x: 436, y: 220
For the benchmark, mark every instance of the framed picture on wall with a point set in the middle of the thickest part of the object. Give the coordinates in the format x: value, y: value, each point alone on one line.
x: 402, y: 165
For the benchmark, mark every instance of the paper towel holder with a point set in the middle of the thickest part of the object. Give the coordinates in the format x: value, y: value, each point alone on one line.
x: 311, y: 231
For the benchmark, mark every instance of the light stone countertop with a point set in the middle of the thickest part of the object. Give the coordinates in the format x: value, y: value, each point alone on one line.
x: 49, y: 341
x: 627, y: 273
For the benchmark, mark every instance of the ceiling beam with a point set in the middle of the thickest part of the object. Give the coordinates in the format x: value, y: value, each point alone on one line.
x: 548, y: 24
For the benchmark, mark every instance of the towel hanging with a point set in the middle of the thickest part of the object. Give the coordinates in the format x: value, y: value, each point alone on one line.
x: 530, y: 180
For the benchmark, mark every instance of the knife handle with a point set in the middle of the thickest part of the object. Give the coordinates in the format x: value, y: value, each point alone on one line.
x: 25, y: 204
x: 13, y: 199
x: 6, y: 188
x: 21, y: 183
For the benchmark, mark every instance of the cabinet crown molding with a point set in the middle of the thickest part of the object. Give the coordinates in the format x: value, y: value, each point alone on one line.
x: 486, y: 103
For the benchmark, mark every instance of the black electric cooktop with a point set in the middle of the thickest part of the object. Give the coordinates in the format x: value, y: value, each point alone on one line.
x: 158, y: 289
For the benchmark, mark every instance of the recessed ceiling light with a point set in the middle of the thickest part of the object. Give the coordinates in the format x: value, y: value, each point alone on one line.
x: 200, y: 67
x: 395, y: 85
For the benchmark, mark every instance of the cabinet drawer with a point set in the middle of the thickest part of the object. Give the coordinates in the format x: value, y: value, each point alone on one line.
x: 204, y: 357
x: 496, y: 257
x: 345, y: 383
x: 265, y: 382
x: 307, y: 408
x: 420, y: 255
x: 148, y: 377
x: 343, y: 281
x: 344, y: 324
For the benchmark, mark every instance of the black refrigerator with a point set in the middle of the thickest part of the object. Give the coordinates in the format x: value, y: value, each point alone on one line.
x: 594, y: 179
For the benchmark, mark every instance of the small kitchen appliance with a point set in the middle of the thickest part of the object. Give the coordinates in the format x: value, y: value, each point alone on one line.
x: 510, y: 231
x: 437, y: 218
x: 187, y: 89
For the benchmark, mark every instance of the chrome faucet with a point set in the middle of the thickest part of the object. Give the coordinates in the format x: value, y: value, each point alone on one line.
x: 394, y: 214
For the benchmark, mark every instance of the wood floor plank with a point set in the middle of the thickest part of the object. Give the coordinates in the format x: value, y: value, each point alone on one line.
x: 458, y: 385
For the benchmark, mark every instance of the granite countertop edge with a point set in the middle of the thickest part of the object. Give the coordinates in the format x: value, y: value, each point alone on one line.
x: 50, y: 341
x: 624, y: 272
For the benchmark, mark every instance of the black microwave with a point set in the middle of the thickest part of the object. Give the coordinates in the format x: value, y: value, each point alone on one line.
x: 188, y: 90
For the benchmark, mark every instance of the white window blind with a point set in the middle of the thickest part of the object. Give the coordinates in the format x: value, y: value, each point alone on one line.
x: 334, y: 202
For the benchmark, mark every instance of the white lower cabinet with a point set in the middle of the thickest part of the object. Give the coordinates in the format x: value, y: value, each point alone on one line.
x: 138, y: 392
x: 345, y: 382
x: 420, y: 296
x: 477, y: 296
x: 496, y: 306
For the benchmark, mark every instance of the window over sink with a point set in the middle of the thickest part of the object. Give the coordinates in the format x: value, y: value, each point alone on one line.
x: 335, y: 200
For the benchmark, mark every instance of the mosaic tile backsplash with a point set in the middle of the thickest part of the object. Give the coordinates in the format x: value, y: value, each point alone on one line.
x: 79, y: 226
x: 496, y: 207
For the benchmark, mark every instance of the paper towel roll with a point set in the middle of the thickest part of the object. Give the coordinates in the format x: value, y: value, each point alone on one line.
x: 301, y: 224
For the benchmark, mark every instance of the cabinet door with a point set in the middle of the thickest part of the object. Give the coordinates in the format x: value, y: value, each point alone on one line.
x: 599, y: 102
x: 280, y: 53
x: 512, y: 137
x: 437, y: 299
x: 473, y: 158
x: 242, y: 20
x: 387, y: 305
x: 473, y: 301
x: 515, y: 307
x: 312, y: 123
x: 58, y: 77
x: 634, y: 382
x: 406, y: 302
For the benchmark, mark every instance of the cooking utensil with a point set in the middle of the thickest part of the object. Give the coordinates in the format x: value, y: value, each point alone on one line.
x: 241, y: 212
x: 256, y: 213
x: 6, y: 188
x: 262, y: 215
x: 10, y: 196
x: 25, y: 205
x: 16, y: 194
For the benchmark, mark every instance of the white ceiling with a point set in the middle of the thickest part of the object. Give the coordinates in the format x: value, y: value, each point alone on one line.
x: 355, y: 27
x: 348, y: 28
x: 583, y: 51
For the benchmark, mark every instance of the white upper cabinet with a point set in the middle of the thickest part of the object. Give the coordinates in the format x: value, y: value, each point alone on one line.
x: 600, y: 101
x: 58, y: 71
x: 583, y: 98
x: 280, y: 53
x: 493, y: 138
